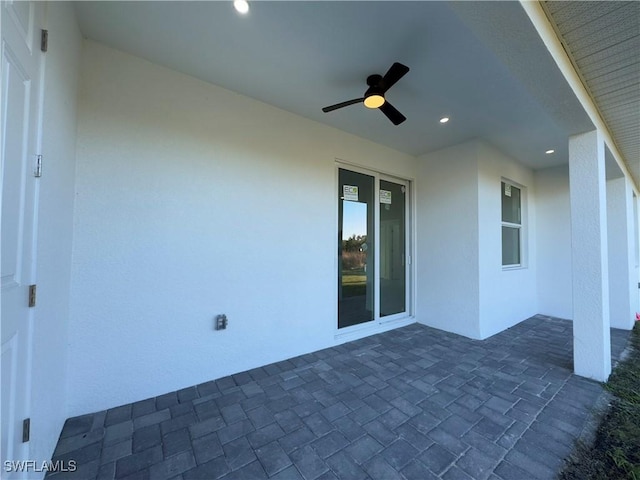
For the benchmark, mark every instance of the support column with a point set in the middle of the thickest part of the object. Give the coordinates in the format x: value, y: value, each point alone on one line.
x: 622, y: 282
x: 591, y: 335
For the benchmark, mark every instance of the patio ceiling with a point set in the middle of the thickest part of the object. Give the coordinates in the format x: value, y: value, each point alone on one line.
x: 480, y: 63
x: 603, y: 42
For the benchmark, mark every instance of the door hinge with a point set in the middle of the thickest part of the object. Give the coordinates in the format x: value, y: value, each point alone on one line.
x: 44, y: 40
x: 32, y: 296
x: 26, y: 430
x: 37, y: 169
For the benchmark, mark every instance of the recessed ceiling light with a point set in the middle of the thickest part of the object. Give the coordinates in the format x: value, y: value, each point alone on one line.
x: 241, y: 6
x: 550, y: 151
x: 444, y: 119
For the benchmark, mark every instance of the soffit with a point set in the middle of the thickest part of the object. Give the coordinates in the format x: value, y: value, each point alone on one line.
x: 603, y: 41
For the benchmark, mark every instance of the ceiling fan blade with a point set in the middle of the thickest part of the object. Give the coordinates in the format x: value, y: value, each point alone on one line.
x: 392, y: 114
x: 395, y: 73
x: 343, y: 104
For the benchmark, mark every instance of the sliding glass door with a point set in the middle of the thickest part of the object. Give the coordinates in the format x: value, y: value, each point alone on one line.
x: 393, y: 253
x: 356, y: 249
x: 372, y: 248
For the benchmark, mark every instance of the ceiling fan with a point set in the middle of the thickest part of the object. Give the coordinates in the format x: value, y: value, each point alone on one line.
x: 374, y: 96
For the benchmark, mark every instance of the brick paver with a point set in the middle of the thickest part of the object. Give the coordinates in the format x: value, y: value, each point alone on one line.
x: 412, y: 403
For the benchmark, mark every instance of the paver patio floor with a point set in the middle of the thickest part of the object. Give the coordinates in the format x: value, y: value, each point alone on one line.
x: 412, y: 403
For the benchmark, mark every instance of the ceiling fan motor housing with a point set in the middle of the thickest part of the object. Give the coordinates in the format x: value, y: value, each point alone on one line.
x: 375, y: 87
x: 374, y: 80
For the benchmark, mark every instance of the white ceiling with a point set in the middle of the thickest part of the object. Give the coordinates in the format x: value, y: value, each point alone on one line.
x: 481, y: 63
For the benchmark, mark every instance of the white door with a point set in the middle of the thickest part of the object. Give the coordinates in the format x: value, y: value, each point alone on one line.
x: 21, y: 110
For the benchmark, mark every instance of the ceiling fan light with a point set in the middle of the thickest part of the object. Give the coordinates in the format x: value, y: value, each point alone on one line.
x: 374, y: 100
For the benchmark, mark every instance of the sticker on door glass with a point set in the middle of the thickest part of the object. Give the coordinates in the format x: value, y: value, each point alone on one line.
x: 507, y: 190
x: 350, y: 193
x: 385, y: 196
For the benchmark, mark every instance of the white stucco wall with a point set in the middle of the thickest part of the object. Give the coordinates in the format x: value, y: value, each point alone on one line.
x: 622, y: 257
x: 55, y: 227
x: 507, y: 296
x: 447, y: 240
x: 554, y: 242
x: 590, y: 256
x: 192, y: 201
x: 462, y: 287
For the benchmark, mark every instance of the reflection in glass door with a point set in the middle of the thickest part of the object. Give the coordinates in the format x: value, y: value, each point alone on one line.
x: 392, y: 248
x: 356, y: 252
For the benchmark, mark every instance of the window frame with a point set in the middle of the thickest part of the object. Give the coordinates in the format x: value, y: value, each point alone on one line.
x: 519, y: 227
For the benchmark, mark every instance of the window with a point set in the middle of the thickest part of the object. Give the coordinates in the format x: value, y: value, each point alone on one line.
x: 511, y: 225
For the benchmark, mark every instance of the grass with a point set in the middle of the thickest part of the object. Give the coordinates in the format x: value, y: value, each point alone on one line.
x: 354, y: 283
x: 350, y: 279
x: 615, y: 453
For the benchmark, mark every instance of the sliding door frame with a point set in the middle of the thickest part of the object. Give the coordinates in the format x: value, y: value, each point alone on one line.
x: 409, y: 242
